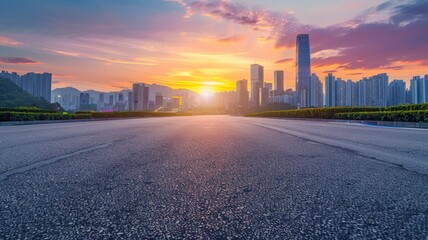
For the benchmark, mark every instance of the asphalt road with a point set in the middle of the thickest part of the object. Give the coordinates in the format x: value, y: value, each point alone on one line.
x: 213, y: 177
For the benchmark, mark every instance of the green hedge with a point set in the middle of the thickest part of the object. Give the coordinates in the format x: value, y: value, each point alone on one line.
x: 32, y: 116
x: 26, y: 116
x: 399, y: 116
x: 84, y: 112
x: 408, y: 107
x: 324, y: 113
x: 28, y: 110
x: 135, y: 114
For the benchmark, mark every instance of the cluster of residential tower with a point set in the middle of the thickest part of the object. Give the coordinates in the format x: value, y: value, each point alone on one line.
x: 376, y: 90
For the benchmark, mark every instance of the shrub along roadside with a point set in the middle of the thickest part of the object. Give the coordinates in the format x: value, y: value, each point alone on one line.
x: 27, y: 116
x: 408, y: 107
x: 33, y: 116
x: 404, y: 113
x: 28, y: 110
x: 399, y: 116
x: 135, y: 114
x: 323, y: 113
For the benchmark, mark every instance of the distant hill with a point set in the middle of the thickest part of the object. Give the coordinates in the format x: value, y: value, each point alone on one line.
x: 11, y: 96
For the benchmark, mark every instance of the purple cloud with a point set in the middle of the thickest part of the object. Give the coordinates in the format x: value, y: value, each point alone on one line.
x: 16, y: 60
x: 361, y: 44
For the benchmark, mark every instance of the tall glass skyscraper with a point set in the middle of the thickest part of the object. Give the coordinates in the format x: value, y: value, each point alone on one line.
x: 303, y: 70
x: 257, y: 80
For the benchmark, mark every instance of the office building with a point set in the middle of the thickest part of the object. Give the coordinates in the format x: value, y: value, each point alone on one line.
x: 257, y: 80
x: 242, y: 95
x: 303, y: 70
x: 140, y: 95
x: 278, y: 81
x: 264, y: 96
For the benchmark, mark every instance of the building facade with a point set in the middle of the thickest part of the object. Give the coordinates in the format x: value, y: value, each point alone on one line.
x: 257, y: 80
x: 303, y: 70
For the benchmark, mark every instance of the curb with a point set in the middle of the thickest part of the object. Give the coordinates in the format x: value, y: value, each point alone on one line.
x: 369, y: 123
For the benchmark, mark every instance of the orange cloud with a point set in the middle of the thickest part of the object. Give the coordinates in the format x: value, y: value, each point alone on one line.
x: 232, y: 39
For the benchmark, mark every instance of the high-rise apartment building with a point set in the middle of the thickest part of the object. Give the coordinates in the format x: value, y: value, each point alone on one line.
x: 303, y: 70
x: 330, y: 90
x: 257, y: 80
x: 340, y: 92
x: 140, y: 96
x: 159, y: 99
x: 264, y: 96
x: 37, y: 84
x: 397, y: 92
x: 316, y: 92
x: 242, y: 95
x: 278, y: 82
x: 373, y: 91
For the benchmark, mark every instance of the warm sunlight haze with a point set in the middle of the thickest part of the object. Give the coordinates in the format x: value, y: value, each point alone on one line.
x: 214, y: 119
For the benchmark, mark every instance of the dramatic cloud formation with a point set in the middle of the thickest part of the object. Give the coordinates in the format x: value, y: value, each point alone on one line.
x: 191, y: 43
x: 16, y: 60
x: 390, y: 32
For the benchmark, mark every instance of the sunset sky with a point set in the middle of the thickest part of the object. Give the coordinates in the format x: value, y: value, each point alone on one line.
x: 208, y: 45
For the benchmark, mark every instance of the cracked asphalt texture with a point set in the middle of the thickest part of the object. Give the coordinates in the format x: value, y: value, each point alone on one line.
x: 212, y: 177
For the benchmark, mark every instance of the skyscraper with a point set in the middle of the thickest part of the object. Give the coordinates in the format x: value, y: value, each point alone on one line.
x: 350, y: 93
x: 373, y: 91
x: 425, y: 88
x: 397, y: 92
x: 340, y: 92
x: 278, y: 81
x: 130, y: 101
x: 242, y: 95
x: 330, y: 91
x: 37, y: 84
x: 257, y: 79
x: 417, y: 86
x: 140, y: 94
x: 264, y: 96
x: 303, y: 70
x: 316, y: 92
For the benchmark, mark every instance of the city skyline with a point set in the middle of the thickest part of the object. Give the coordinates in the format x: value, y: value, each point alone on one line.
x: 124, y: 49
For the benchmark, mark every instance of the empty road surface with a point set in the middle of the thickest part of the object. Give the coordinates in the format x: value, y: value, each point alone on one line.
x: 213, y: 177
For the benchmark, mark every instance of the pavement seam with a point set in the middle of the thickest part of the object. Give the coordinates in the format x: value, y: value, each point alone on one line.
x: 342, y: 148
x: 23, y: 169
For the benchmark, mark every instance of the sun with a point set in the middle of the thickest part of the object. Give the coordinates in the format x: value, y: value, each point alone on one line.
x: 207, y: 93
